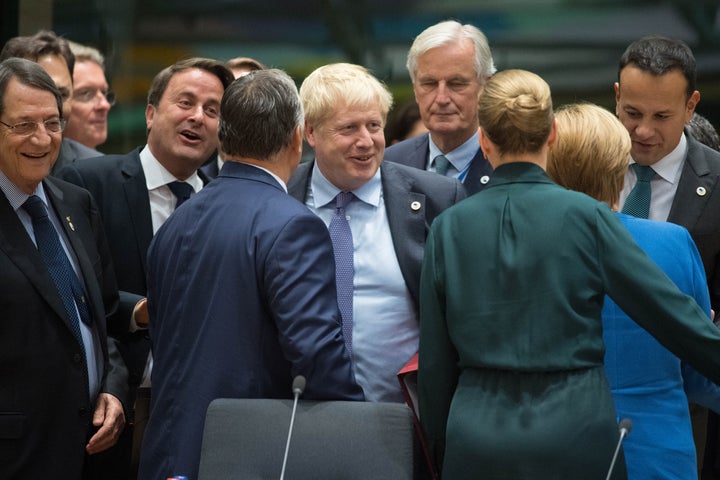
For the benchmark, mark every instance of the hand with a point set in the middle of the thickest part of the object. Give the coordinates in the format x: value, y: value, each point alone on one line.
x: 141, y: 315
x: 109, y: 416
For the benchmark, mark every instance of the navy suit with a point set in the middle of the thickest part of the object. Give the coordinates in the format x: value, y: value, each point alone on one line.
x: 70, y: 152
x: 403, y: 189
x: 414, y: 152
x: 241, y: 292
x: 45, y: 412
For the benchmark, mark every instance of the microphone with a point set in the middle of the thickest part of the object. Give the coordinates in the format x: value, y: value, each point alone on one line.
x: 298, y: 387
x: 625, y: 427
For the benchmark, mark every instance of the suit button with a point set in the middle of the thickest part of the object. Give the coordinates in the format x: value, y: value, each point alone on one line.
x: 77, y: 358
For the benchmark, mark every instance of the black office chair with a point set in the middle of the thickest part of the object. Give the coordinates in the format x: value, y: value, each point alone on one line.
x: 337, y: 440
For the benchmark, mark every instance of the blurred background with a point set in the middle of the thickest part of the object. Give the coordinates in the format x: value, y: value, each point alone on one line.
x: 574, y: 44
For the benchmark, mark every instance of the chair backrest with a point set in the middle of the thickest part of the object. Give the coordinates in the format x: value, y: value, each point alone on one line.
x: 338, y: 440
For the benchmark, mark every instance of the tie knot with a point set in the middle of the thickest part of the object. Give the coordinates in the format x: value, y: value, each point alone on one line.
x: 343, y: 198
x: 442, y: 164
x: 35, y: 207
x: 644, y: 173
x: 181, y: 190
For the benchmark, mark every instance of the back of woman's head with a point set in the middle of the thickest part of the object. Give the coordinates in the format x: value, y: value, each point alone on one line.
x: 591, y: 153
x: 515, y: 111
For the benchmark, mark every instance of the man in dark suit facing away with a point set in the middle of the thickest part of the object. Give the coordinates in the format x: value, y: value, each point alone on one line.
x: 241, y: 287
x: 449, y: 64
x: 62, y: 379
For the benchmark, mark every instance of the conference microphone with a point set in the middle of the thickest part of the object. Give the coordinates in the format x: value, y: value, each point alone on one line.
x: 625, y: 427
x: 298, y: 387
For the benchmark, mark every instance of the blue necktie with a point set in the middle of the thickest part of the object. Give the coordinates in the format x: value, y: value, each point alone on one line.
x: 58, y: 264
x: 181, y: 190
x: 342, y: 241
x: 637, y: 203
x: 442, y: 164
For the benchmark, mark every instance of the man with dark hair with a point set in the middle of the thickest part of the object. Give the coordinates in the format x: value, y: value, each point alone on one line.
x: 62, y: 377
x: 673, y: 177
x: 241, y: 283
x: 53, y: 54
x: 136, y: 192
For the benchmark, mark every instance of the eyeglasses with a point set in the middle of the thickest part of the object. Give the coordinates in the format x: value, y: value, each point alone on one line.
x: 56, y: 125
x: 87, y: 95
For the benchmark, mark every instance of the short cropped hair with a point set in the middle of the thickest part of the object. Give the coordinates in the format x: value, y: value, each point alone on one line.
x: 44, y: 42
x: 515, y: 111
x: 342, y: 84
x: 27, y: 73
x: 259, y: 114
x: 86, y: 53
x: 703, y: 131
x: 245, y: 62
x: 660, y: 55
x: 162, y: 79
x: 591, y: 153
x: 448, y: 32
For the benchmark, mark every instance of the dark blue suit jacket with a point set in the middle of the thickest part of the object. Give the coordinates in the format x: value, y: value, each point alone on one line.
x: 241, y: 292
x: 45, y: 412
x: 414, y: 152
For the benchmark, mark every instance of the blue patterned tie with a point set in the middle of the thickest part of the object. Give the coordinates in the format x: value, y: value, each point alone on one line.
x: 62, y: 273
x: 342, y: 241
x: 181, y: 190
x: 637, y: 203
x: 442, y: 164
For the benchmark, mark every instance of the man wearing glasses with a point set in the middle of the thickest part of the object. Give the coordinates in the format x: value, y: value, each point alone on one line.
x: 53, y: 54
x: 92, y: 98
x: 62, y: 377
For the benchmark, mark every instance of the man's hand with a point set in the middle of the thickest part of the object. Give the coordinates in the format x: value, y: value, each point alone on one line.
x: 109, y: 416
x: 141, y: 315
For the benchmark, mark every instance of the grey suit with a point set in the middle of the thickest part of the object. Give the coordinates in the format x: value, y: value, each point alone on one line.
x: 402, y: 187
x: 414, y: 152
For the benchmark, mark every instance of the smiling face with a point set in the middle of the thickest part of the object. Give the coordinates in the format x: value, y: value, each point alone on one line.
x: 447, y: 90
x: 349, y: 145
x: 654, y: 110
x: 88, y: 120
x: 183, y: 126
x: 27, y: 159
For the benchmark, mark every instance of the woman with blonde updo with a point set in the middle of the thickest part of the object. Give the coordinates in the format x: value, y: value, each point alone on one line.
x: 511, y: 378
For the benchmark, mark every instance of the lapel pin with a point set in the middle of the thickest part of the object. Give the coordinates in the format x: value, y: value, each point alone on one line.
x: 70, y: 224
x: 484, y: 179
x: 415, y: 206
x: 701, y: 191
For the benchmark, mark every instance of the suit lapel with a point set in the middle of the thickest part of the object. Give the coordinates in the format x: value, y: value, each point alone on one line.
x: 138, y: 204
x: 695, y: 187
x: 298, y: 184
x: 479, y: 168
x: 20, y: 249
x: 406, y: 216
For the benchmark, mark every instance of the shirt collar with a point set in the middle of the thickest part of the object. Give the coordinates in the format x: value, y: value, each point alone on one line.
x: 325, y: 192
x: 669, y: 166
x: 461, y: 157
x: 156, y: 175
x: 17, y: 196
x: 278, y: 179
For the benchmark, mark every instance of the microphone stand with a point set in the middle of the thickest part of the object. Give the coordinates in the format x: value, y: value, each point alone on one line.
x: 625, y: 427
x: 298, y: 388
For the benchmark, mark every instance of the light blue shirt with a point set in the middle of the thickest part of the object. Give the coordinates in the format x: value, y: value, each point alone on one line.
x: 385, y: 322
x: 460, y: 158
x: 17, y: 198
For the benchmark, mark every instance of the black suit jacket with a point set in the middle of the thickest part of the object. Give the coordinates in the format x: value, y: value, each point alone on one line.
x: 414, y: 152
x: 70, y: 152
x: 413, y: 198
x: 118, y: 185
x: 696, y: 206
x: 45, y: 412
